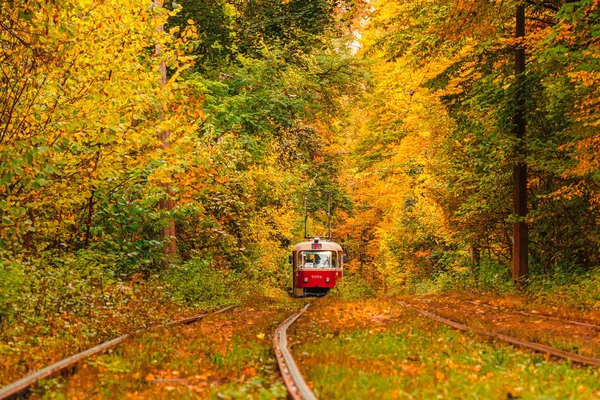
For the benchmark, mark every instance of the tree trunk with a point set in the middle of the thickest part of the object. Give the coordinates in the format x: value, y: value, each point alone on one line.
x: 520, y: 234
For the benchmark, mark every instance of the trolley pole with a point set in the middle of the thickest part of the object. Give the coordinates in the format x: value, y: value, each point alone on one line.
x: 520, y: 235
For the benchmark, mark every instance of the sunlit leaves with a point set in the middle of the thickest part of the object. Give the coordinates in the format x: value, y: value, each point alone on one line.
x: 81, y: 110
x: 457, y: 58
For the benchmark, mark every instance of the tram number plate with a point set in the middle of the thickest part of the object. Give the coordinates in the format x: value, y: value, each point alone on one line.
x: 316, y: 276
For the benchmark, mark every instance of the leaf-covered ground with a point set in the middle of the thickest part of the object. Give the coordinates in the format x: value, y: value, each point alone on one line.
x: 32, y: 343
x: 378, y: 349
x: 347, y: 349
x: 502, y: 315
x: 226, y: 355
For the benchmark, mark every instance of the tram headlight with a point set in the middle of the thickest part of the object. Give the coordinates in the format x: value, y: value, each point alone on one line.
x: 305, y: 280
x: 327, y: 280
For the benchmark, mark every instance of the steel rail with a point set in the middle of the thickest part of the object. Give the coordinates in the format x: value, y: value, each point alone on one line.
x: 539, y: 315
x: 510, y: 339
x: 294, y: 381
x: 27, y: 381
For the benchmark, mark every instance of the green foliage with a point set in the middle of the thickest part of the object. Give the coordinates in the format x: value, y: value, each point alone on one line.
x: 578, y: 289
x: 249, y: 120
x: 214, y: 45
x: 197, y: 283
x: 487, y: 276
x: 352, y: 286
x: 439, y: 128
x: 63, y: 284
x: 12, y: 281
x: 79, y: 137
x: 269, y: 110
x: 484, y: 110
x: 296, y: 26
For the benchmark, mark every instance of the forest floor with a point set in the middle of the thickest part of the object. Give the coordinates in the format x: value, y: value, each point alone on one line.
x: 348, y: 349
x: 378, y: 349
x: 226, y: 355
x: 35, y: 341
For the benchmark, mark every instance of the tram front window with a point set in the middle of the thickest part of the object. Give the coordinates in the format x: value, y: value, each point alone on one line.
x: 316, y: 259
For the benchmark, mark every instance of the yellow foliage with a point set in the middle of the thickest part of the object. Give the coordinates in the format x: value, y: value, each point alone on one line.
x: 87, y: 100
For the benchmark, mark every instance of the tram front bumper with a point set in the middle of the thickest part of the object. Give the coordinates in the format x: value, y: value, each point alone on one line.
x: 317, y: 278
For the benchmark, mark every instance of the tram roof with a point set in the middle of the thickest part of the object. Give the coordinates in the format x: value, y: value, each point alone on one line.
x: 325, y: 245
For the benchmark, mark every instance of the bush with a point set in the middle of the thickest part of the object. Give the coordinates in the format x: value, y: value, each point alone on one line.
x: 488, y: 276
x: 12, y: 279
x: 352, y: 286
x: 492, y: 276
x: 576, y: 289
x: 197, y: 283
x: 72, y: 284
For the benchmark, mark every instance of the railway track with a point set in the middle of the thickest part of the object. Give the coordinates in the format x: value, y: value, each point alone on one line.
x: 294, y: 381
x: 54, y: 369
x: 539, y: 315
x: 292, y: 377
x: 298, y: 389
x: 576, y: 358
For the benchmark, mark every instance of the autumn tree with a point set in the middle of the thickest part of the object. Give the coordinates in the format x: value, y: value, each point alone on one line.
x: 273, y: 74
x: 456, y: 59
x: 82, y: 106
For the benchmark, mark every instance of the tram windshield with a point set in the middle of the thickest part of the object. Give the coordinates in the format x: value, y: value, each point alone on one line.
x: 318, y: 259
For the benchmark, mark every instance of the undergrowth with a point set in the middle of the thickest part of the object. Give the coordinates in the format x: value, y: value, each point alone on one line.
x: 352, y: 286
x: 579, y: 290
x: 572, y: 288
x: 196, y: 283
x: 51, y: 307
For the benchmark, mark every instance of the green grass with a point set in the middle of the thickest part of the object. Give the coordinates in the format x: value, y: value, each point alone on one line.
x: 352, y: 287
x: 417, y: 359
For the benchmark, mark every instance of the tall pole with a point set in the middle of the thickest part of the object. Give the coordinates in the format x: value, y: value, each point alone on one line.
x: 167, y: 204
x: 520, y: 241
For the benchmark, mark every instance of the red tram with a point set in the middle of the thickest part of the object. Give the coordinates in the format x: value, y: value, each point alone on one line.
x: 316, y: 266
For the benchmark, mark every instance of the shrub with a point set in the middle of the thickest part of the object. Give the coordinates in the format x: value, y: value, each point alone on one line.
x: 352, y: 286
x: 12, y: 278
x: 197, y: 283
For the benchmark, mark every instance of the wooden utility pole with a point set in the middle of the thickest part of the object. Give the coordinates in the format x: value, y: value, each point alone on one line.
x: 520, y: 239
x: 167, y: 204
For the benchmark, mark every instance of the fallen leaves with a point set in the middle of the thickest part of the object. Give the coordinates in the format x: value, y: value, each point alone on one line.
x: 509, y: 316
x: 413, y: 354
x: 223, y: 354
x: 452, y: 365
